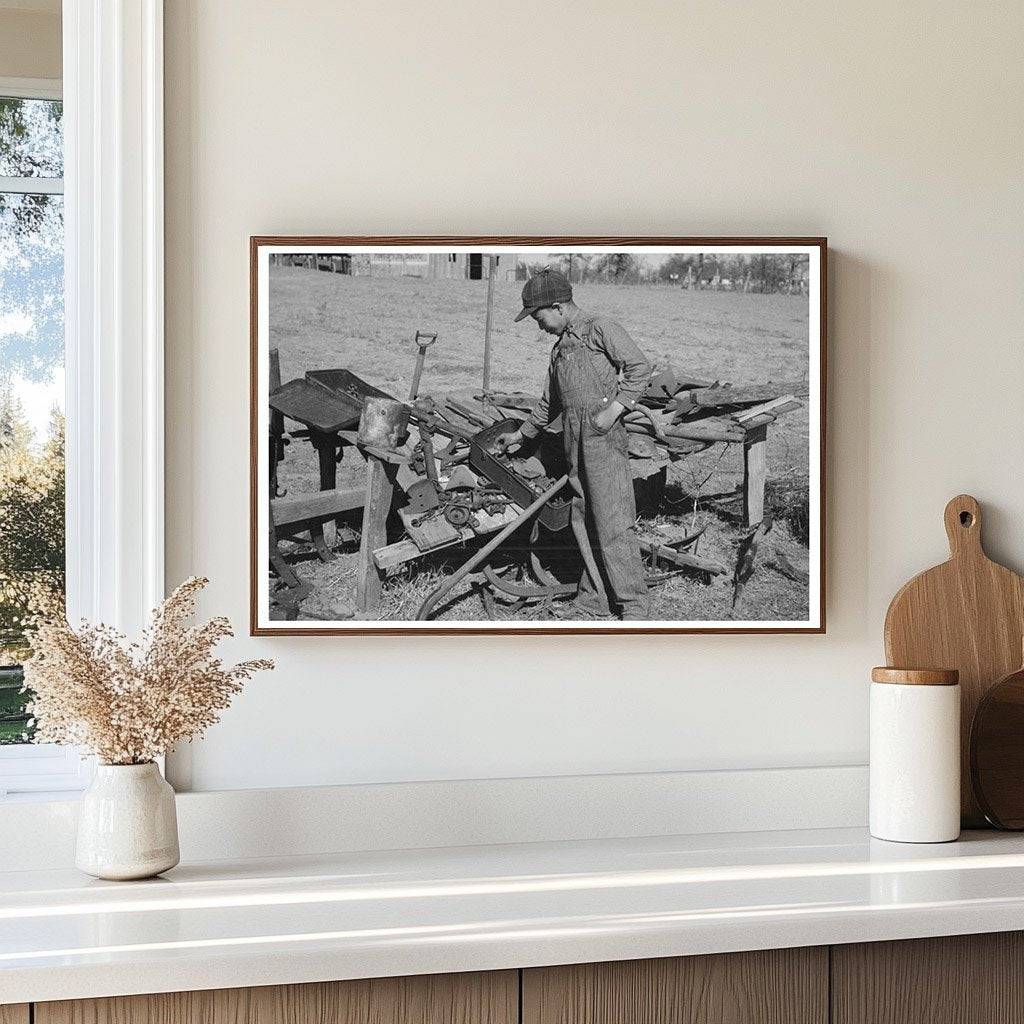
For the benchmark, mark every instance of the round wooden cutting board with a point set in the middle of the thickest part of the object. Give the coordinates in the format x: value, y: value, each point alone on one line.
x: 967, y: 614
x: 997, y: 752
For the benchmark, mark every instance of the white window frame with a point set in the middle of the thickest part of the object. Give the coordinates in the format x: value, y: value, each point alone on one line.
x: 114, y: 334
x: 31, y: 89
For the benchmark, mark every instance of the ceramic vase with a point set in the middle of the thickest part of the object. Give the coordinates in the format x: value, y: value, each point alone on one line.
x: 127, y: 825
x: 915, y: 755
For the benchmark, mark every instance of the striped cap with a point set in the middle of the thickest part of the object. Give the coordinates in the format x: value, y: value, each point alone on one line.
x: 544, y: 289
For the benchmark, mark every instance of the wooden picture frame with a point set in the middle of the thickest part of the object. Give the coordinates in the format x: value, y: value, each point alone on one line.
x: 397, y: 257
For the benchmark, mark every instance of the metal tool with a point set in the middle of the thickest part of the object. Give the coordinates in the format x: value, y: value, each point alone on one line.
x: 429, y: 463
x: 460, y: 504
x: 524, y: 591
x: 461, y: 573
x: 422, y: 496
x: 383, y: 424
x: 423, y: 340
x: 499, y: 471
x: 458, y: 515
x: 461, y: 478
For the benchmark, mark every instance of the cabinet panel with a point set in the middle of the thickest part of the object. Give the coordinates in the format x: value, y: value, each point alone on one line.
x: 962, y: 979
x: 480, y: 998
x: 14, y: 1013
x: 778, y: 986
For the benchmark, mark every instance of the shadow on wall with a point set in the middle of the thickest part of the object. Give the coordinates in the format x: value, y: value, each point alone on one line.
x: 854, y: 286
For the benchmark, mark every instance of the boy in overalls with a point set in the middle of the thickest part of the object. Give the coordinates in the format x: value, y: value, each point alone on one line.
x: 596, y: 373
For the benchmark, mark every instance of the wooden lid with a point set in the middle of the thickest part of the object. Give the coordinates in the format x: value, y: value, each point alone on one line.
x: 916, y: 676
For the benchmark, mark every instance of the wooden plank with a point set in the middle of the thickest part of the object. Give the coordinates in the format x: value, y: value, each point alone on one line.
x: 744, y: 394
x: 380, y: 492
x: 465, y: 427
x: 477, y: 998
x: 763, y: 419
x: 509, y: 413
x: 775, y: 407
x: 391, y: 556
x: 710, y: 429
x: 464, y: 402
x: 300, y: 508
x: 769, y: 417
x: 14, y: 1013
x: 779, y: 986
x: 682, y: 558
x: 428, y: 533
x: 960, y: 979
x: 521, y: 401
x: 755, y: 474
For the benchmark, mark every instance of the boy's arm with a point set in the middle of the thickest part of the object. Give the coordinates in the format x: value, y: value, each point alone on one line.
x: 545, y: 411
x: 625, y: 355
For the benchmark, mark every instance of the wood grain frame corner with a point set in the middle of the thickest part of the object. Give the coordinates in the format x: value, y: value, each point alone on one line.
x: 256, y: 242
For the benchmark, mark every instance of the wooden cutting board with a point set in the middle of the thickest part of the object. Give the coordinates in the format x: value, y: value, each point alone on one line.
x: 997, y: 752
x: 967, y: 614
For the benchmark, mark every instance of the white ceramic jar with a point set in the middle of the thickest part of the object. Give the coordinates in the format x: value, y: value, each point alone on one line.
x: 915, y: 755
x: 127, y: 825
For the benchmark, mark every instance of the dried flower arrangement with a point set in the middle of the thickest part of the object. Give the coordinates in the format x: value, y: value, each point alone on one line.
x: 130, y: 703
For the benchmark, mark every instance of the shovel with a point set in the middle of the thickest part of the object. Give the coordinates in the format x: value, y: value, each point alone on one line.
x: 423, y: 339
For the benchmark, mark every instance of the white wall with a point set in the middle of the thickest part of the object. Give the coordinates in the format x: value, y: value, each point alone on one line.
x: 895, y: 129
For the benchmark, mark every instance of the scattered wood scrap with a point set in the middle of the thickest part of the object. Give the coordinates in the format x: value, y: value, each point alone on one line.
x: 326, y: 403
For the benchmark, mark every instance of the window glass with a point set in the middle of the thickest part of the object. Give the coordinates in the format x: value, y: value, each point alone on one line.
x: 31, y: 138
x: 31, y: 388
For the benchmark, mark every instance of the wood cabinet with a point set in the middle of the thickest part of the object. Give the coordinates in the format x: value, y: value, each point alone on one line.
x: 776, y: 986
x: 962, y: 979
x: 970, y: 979
x: 482, y: 998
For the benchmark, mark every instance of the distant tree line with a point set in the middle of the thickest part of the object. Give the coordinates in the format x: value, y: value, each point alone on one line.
x: 766, y: 273
x: 32, y: 514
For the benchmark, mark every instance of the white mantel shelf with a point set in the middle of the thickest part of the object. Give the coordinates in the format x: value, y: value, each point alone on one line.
x: 264, y: 922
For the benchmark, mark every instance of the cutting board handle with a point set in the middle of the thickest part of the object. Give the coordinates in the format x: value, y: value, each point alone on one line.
x: 963, y: 526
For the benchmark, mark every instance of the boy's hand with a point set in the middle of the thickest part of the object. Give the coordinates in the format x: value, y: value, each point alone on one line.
x: 606, y: 417
x: 510, y: 439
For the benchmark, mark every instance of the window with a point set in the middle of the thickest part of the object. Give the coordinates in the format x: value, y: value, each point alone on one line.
x: 32, y: 564
x: 101, y: 187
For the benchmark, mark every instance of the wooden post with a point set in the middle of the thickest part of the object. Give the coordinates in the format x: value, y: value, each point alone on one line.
x: 326, y: 446
x: 492, y: 271
x: 380, y: 490
x: 755, y: 473
x: 276, y: 422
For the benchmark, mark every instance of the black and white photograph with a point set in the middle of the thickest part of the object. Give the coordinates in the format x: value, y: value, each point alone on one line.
x: 537, y: 435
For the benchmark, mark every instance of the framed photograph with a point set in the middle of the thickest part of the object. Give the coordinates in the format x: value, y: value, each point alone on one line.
x: 537, y: 435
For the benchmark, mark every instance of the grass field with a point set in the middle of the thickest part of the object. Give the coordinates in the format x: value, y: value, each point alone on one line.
x: 321, y: 320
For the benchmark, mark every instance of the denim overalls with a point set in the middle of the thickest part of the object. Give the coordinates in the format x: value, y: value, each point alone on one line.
x: 599, y: 472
